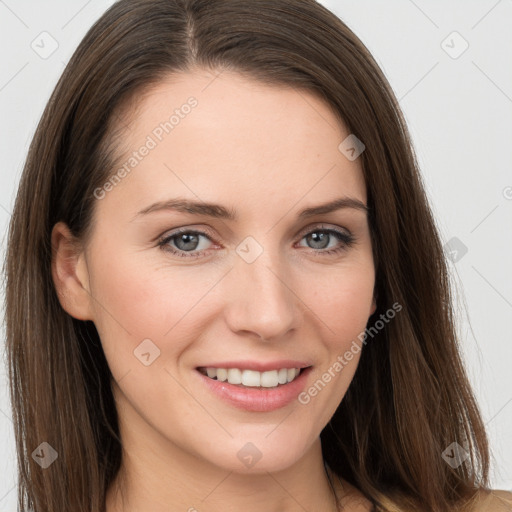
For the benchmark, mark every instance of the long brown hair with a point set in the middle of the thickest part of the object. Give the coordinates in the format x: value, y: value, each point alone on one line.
x: 410, y: 398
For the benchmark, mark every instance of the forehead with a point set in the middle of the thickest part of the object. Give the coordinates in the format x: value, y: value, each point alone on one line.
x: 233, y: 136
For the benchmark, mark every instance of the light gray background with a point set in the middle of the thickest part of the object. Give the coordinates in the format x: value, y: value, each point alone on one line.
x: 458, y: 108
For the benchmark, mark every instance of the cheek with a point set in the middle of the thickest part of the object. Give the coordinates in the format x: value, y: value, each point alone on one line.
x: 341, y: 309
x: 342, y: 305
x: 136, y: 299
x: 343, y: 299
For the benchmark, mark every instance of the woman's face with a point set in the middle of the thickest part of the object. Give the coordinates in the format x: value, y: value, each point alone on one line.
x: 269, y: 286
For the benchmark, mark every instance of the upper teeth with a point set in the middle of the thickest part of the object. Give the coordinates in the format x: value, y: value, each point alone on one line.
x: 253, y: 378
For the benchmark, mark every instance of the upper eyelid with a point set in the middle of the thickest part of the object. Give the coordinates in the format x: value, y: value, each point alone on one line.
x: 322, y: 226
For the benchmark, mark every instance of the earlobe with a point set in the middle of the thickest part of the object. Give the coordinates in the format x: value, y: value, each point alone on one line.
x: 374, y: 305
x: 69, y: 273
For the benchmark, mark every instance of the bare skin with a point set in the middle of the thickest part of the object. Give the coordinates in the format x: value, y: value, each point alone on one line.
x: 268, y: 153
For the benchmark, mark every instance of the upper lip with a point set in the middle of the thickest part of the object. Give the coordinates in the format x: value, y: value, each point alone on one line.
x: 259, y: 366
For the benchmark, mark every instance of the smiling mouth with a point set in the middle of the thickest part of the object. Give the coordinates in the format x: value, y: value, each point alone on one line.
x: 250, y: 378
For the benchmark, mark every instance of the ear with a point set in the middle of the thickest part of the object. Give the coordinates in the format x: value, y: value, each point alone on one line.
x: 374, y: 304
x: 70, y: 274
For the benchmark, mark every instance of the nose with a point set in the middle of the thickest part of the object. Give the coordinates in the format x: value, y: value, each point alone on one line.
x: 262, y: 299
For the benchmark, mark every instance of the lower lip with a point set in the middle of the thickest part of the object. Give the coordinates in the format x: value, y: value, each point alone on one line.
x: 257, y: 399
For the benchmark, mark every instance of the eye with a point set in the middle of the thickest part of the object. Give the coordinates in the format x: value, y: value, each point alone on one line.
x: 321, y: 238
x: 184, y: 241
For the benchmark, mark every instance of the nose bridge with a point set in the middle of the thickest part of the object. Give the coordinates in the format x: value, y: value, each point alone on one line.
x: 264, y: 302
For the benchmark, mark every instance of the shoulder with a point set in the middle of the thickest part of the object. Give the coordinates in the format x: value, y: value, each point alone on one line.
x: 494, y: 501
x: 351, y: 497
x: 487, y: 501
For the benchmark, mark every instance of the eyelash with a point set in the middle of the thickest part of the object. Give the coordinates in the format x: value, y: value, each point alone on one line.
x: 347, y: 240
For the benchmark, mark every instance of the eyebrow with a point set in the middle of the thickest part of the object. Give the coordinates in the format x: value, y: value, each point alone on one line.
x: 220, y: 212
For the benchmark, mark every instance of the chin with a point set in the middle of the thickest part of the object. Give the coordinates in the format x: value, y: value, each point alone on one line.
x: 256, y: 454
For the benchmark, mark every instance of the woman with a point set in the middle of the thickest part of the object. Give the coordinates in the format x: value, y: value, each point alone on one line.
x: 225, y: 286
